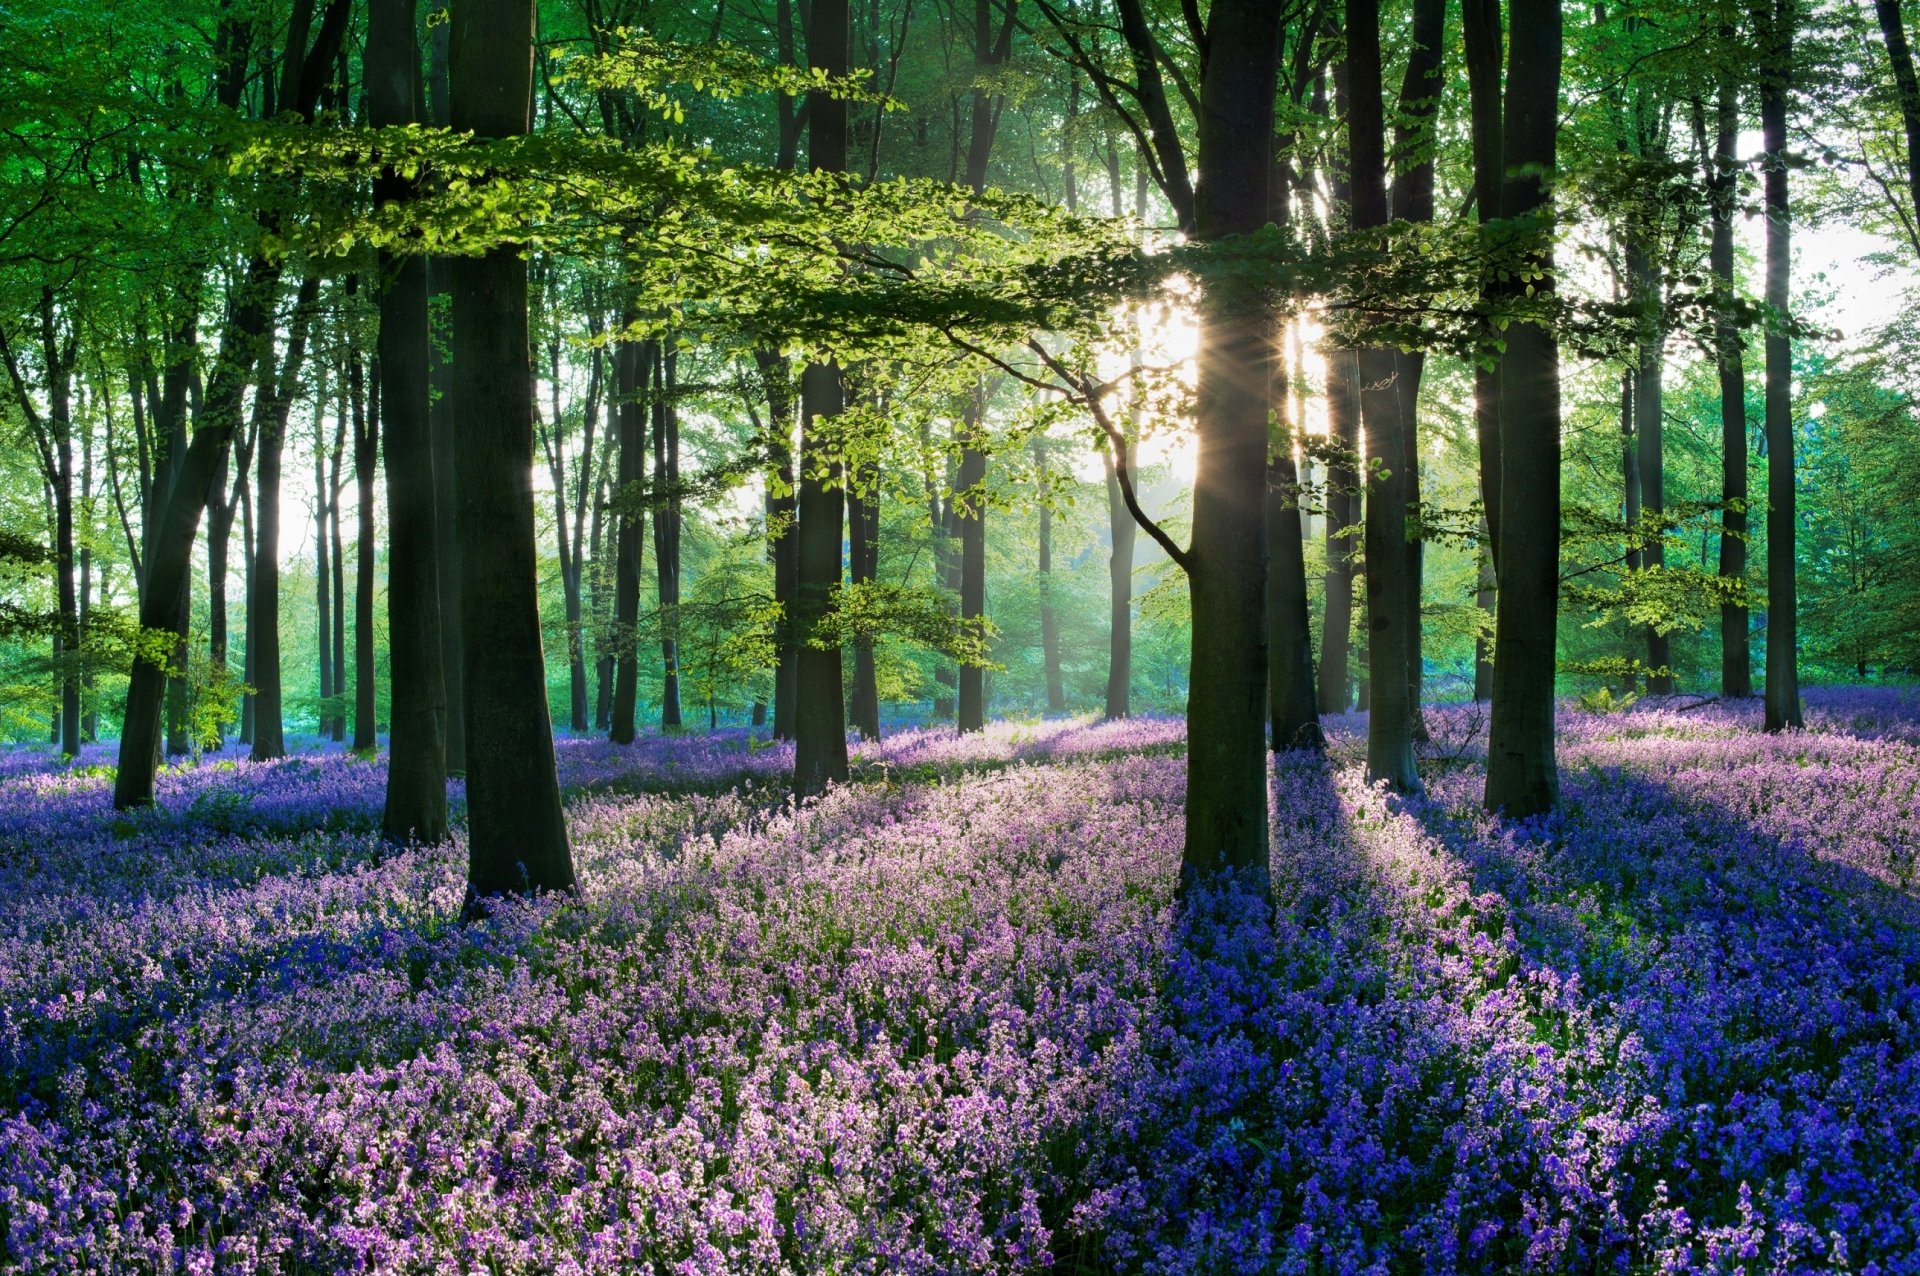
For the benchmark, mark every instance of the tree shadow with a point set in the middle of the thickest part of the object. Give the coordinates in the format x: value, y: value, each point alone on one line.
x: 1334, y: 1082
x: 1748, y: 1011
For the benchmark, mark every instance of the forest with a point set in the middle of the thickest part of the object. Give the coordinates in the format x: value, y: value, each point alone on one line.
x: 1089, y: 636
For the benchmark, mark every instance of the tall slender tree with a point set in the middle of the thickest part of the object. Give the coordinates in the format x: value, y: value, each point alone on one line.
x: 516, y: 832
x: 1390, y: 757
x: 1774, y: 22
x: 1736, y: 658
x: 820, y: 725
x: 1226, y: 814
x: 416, y: 799
x: 1522, y: 776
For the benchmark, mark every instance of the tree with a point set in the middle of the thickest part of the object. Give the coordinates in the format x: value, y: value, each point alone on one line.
x: 820, y: 726
x: 1226, y: 817
x: 169, y: 557
x: 516, y: 831
x: 416, y: 800
x: 1736, y: 661
x: 1522, y: 776
x: 1774, y: 28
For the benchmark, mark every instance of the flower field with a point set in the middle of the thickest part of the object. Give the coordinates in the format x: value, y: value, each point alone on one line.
x: 949, y: 1019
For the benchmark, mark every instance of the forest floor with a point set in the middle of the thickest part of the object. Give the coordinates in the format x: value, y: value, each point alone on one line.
x: 949, y: 1019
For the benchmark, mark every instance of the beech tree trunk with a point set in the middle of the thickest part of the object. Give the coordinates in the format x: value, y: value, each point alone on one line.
x: 272, y: 408
x: 1343, y: 501
x: 1736, y: 657
x: 970, y: 517
x: 416, y: 800
x: 820, y: 728
x: 1226, y: 810
x: 666, y: 530
x: 990, y: 49
x: 1783, y: 629
x: 1390, y: 757
x: 516, y: 832
x: 1292, y: 707
x: 1049, y: 618
x: 366, y: 457
x: 863, y: 545
x: 633, y: 365
x: 1522, y: 777
x: 782, y: 544
x: 440, y: 373
x: 1121, y: 529
x: 1649, y: 408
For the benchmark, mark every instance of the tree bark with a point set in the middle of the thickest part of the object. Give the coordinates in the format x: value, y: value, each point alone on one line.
x: 990, y: 49
x: 633, y: 363
x: 366, y: 459
x: 1120, y: 527
x: 1522, y: 777
x: 1049, y: 618
x: 516, y: 832
x: 1336, y: 636
x: 272, y: 407
x: 357, y: 405
x: 1412, y: 199
x: 1226, y: 810
x: 820, y: 729
x: 1783, y: 630
x: 416, y: 799
x: 782, y: 544
x: 446, y: 442
x: 970, y: 518
x: 1292, y: 707
x: 1736, y: 657
x: 1649, y: 409
x: 1390, y: 757
x: 666, y: 531
x: 863, y: 544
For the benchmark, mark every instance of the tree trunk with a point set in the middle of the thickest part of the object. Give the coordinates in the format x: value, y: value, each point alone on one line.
x: 446, y: 441
x: 863, y: 543
x: 1049, y: 618
x: 1390, y: 757
x: 1522, y: 778
x: 220, y: 512
x: 1783, y: 636
x: 272, y: 407
x: 1292, y: 707
x: 666, y: 531
x: 516, y: 831
x: 1412, y: 199
x: 1630, y: 479
x: 1226, y: 810
x: 1336, y: 635
x: 247, y: 705
x: 337, y: 727
x: 1121, y: 528
x: 1649, y: 408
x: 323, y: 564
x: 990, y: 48
x: 416, y: 800
x: 970, y: 498
x: 782, y: 543
x: 366, y: 456
x: 633, y: 365
x: 820, y: 729
x: 1484, y: 599
x: 1736, y: 658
